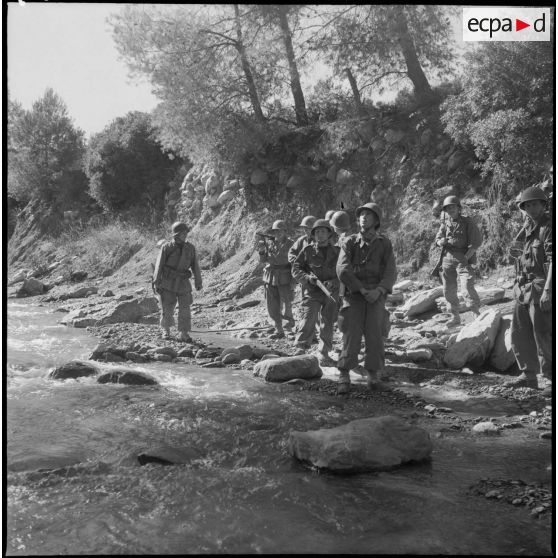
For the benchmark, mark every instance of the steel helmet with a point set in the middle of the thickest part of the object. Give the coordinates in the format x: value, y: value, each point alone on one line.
x: 307, y: 221
x: 532, y: 193
x: 179, y: 227
x: 451, y: 200
x: 329, y: 214
x: 341, y: 220
x: 371, y: 206
x: 279, y: 225
x: 321, y: 223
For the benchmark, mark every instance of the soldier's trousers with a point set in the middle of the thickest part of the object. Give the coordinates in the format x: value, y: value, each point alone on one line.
x: 454, y: 266
x: 274, y: 296
x: 531, y: 339
x: 316, y: 307
x: 360, y: 318
x: 168, y: 301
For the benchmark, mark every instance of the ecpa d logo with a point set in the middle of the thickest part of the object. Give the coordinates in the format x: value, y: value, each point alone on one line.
x: 506, y: 24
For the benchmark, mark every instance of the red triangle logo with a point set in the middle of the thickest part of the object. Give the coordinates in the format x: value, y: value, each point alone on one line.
x: 519, y: 25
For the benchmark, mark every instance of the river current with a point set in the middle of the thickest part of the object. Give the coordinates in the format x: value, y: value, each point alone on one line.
x: 75, y: 484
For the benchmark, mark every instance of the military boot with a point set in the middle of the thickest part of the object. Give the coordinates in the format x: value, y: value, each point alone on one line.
x: 344, y: 383
x: 456, y: 320
x: 523, y: 380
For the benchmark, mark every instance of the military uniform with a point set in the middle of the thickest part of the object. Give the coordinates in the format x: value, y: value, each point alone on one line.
x: 177, y: 262
x: 321, y: 262
x: 297, y: 246
x: 531, y: 329
x: 461, y: 234
x: 364, y: 263
x: 278, y: 281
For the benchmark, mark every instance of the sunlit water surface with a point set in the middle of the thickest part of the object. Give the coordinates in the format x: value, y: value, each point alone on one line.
x: 75, y: 485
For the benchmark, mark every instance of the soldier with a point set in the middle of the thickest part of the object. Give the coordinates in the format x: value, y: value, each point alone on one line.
x: 277, y: 277
x: 366, y: 269
x: 334, y: 236
x: 460, y: 238
x: 341, y: 223
x: 317, y: 261
x: 177, y: 262
x: 531, y: 329
x: 306, y: 227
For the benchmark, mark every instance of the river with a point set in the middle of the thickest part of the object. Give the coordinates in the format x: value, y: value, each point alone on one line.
x: 75, y: 485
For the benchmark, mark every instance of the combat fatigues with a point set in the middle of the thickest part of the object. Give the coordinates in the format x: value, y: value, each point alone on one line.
x: 321, y: 262
x: 277, y: 281
x: 177, y: 262
x: 531, y: 329
x: 297, y: 246
x: 461, y: 234
x: 365, y: 264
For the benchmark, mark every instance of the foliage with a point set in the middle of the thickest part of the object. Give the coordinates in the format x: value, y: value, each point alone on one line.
x: 366, y: 39
x: 505, y: 112
x: 44, y: 152
x: 126, y: 166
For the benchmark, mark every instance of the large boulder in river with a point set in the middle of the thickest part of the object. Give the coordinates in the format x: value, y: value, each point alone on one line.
x: 474, y: 342
x: 126, y: 376
x: 422, y: 301
x: 243, y: 351
x: 31, y: 287
x: 287, y: 368
x: 74, y: 369
x: 130, y: 311
x: 362, y: 445
x: 501, y: 356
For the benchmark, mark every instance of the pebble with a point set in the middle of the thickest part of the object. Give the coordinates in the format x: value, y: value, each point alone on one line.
x: 546, y: 435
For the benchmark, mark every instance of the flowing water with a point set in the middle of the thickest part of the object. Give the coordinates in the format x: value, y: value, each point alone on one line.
x: 75, y: 485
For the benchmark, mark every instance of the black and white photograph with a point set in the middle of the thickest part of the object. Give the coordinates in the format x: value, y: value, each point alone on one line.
x: 278, y: 279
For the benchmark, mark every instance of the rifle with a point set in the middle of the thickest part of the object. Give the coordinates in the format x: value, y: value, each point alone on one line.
x: 323, y: 288
x: 435, y: 273
x: 265, y: 236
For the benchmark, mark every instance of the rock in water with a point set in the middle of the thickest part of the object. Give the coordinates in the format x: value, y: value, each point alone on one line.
x: 362, y: 445
x: 287, y: 368
x: 487, y: 428
x: 125, y: 376
x: 31, y: 287
x: 74, y: 369
x: 474, y: 342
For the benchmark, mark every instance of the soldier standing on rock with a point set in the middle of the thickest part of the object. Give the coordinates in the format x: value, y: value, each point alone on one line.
x: 177, y: 262
x: 366, y: 269
x: 531, y: 329
x: 317, y: 261
x: 277, y: 277
x: 460, y: 237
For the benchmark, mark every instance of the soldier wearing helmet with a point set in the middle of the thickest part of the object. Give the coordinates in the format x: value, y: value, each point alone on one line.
x: 317, y: 261
x: 176, y: 263
x: 531, y: 329
x: 306, y: 228
x: 277, y: 277
x: 459, y: 238
x: 341, y: 223
x: 366, y: 269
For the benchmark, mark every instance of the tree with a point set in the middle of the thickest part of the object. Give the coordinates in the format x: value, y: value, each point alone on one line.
x: 381, y: 44
x: 505, y: 113
x: 44, y: 150
x: 126, y: 166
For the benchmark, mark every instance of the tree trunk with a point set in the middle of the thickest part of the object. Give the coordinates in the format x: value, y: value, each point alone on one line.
x: 356, y: 92
x: 422, y: 88
x: 300, y: 105
x: 252, y: 91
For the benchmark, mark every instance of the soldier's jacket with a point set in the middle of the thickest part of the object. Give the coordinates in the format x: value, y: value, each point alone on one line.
x: 536, y: 256
x: 461, y: 234
x: 177, y: 262
x: 278, y: 269
x: 297, y: 246
x: 364, y: 264
x: 320, y: 262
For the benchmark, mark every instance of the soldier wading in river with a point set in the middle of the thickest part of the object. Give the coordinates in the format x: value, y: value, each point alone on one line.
x: 531, y: 329
x: 177, y: 262
x: 459, y: 238
x: 277, y: 277
x: 316, y: 262
x: 366, y: 269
